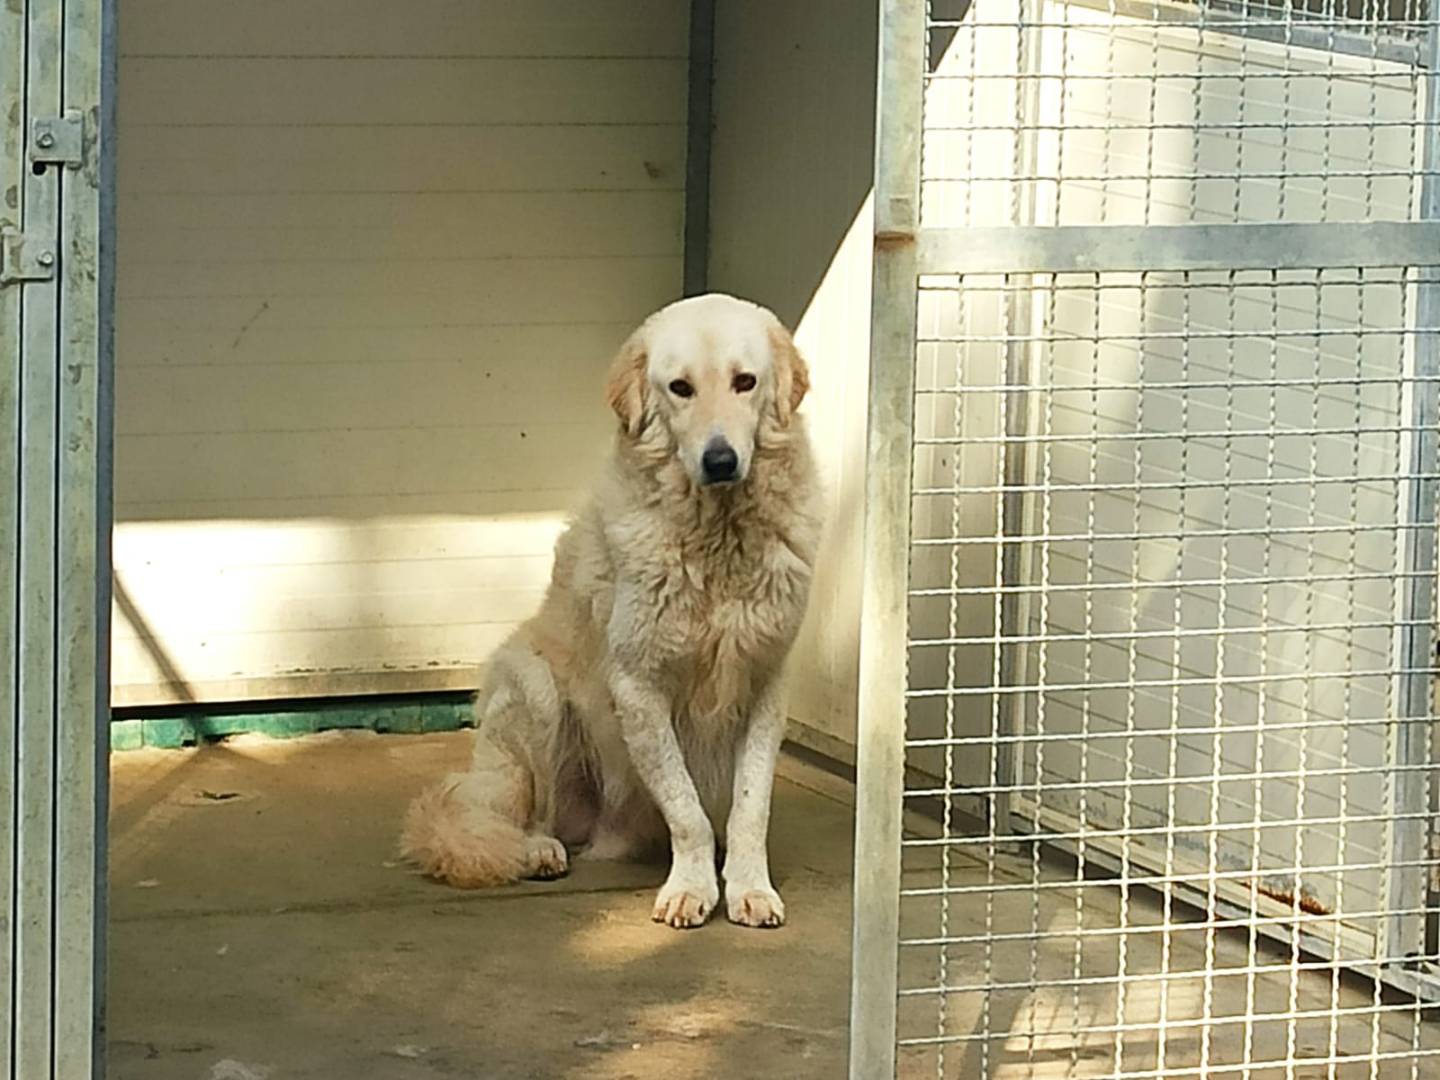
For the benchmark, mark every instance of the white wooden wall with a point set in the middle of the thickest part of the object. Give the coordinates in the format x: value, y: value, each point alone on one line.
x: 374, y: 258
x: 790, y: 228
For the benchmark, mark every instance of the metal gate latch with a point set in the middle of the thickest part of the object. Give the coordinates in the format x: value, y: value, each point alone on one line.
x: 25, y: 257
x: 58, y: 140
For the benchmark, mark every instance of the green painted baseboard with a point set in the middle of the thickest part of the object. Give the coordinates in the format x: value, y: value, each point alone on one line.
x: 409, y: 716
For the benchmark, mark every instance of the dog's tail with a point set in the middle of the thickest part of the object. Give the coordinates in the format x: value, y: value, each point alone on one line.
x: 452, y: 834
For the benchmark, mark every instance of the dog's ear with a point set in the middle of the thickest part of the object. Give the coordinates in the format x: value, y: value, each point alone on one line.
x: 792, y: 375
x: 625, y: 386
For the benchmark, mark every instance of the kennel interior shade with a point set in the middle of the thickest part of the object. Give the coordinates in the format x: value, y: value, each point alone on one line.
x: 372, y: 267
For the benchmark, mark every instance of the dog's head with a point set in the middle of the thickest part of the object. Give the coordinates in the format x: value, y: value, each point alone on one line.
x: 717, y: 373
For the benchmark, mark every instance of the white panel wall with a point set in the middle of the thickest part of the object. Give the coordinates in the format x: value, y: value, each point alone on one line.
x: 374, y: 258
x: 790, y: 223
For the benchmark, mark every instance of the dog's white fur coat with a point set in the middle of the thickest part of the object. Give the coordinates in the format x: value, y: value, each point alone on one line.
x: 644, y: 698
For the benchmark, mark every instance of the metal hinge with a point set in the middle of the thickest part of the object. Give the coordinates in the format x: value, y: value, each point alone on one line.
x: 25, y: 257
x: 58, y: 140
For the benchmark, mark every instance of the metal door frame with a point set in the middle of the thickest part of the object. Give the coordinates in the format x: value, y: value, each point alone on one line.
x: 57, y: 78
x: 903, y: 252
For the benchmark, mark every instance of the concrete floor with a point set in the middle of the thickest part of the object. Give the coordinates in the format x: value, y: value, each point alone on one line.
x: 1037, y: 990
x: 259, y: 928
x: 1042, y: 983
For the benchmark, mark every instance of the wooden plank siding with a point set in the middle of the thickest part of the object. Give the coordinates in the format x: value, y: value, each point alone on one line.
x: 373, y: 261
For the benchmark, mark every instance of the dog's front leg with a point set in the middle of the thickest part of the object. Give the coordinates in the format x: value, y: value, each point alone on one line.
x: 750, y: 898
x: 691, y: 892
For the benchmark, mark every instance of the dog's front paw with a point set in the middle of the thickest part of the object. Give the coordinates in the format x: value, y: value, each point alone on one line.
x: 685, y: 904
x: 748, y: 906
x: 546, y: 858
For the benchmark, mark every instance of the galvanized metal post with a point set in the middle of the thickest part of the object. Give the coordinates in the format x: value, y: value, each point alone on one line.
x: 35, y: 707
x: 880, y: 751
x: 12, y: 155
x: 55, y: 303
x: 1416, y: 788
x: 84, y: 456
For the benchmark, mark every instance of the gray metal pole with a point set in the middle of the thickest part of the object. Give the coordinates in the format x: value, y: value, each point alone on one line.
x: 698, y: 122
x: 12, y: 156
x: 83, y: 456
x: 36, y: 708
x: 880, y: 752
x: 56, y: 286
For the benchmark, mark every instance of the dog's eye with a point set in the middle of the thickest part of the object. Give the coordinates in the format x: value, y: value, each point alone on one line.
x: 744, y: 383
x: 681, y: 388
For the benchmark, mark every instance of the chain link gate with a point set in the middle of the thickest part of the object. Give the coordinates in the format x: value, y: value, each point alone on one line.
x: 1147, y: 744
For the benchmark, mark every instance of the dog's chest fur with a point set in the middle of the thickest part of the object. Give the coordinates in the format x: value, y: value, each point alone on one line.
x: 718, y: 600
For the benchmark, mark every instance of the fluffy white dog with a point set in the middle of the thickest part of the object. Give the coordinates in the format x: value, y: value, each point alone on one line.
x: 644, y: 699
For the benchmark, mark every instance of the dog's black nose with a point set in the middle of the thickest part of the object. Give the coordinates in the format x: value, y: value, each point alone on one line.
x: 719, y: 463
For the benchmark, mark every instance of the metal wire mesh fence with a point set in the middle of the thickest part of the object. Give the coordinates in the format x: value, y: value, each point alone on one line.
x: 1170, y: 795
x: 1159, y: 687
x: 1127, y: 112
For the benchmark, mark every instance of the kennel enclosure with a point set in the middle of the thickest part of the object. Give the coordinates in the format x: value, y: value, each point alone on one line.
x: 1150, y: 554
x: 372, y: 262
x: 1145, y: 768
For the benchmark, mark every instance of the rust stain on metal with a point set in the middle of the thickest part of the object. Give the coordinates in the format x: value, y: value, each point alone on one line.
x: 1307, y: 902
x: 894, y: 239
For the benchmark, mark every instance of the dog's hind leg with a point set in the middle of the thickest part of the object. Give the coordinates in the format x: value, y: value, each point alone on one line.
x: 628, y: 827
x: 494, y: 824
x: 626, y: 823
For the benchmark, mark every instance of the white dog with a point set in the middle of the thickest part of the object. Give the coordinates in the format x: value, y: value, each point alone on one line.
x: 645, y: 696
